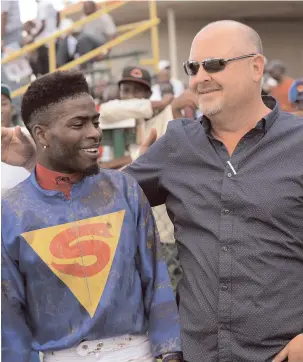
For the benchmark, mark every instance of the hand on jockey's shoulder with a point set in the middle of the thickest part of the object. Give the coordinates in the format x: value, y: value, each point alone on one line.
x: 17, y: 148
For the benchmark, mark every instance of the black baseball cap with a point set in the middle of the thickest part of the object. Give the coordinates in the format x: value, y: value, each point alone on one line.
x: 136, y: 74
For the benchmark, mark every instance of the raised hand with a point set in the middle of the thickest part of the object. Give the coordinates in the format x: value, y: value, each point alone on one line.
x: 17, y: 148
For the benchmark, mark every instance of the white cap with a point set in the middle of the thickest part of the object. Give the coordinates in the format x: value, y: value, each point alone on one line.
x: 163, y: 64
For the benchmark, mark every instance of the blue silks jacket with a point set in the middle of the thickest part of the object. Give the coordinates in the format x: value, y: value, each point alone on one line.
x: 83, y: 268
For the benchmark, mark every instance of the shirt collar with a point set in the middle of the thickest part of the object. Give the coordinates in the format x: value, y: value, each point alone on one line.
x: 56, y: 181
x: 264, y: 124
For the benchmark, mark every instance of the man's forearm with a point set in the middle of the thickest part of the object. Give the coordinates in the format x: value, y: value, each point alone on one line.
x: 119, y: 110
x: 158, y: 106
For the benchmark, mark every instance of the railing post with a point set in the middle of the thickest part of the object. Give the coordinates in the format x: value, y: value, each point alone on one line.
x: 52, y: 55
x: 154, y: 34
x: 172, y: 41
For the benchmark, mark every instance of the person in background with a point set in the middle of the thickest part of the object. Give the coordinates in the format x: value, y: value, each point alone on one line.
x: 164, y: 76
x: 134, y: 102
x: 277, y: 70
x: 11, y: 26
x: 111, y: 92
x: 10, y: 175
x: 67, y: 43
x: 166, y: 88
x: 6, y: 107
x: 47, y: 22
x: 29, y: 30
x: 96, y: 288
x: 11, y: 32
x: 267, y: 84
x: 96, y: 32
x: 98, y: 90
x: 296, y: 96
x: 183, y: 105
x: 134, y: 92
x: 105, y: 92
x: 90, y: 36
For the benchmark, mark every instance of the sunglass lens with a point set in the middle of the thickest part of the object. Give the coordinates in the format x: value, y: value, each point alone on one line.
x: 191, y: 67
x: 214, y: 65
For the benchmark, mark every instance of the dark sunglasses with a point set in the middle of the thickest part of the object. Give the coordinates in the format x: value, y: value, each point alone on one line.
x: 191, y: 67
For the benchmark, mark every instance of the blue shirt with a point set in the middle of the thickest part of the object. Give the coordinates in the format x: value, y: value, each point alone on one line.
x: 83, y: 269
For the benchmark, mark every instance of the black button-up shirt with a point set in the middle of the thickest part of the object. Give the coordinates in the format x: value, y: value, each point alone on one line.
x: 239, y: 229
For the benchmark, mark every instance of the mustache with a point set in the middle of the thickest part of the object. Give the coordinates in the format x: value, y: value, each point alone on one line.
x: 205, y: 88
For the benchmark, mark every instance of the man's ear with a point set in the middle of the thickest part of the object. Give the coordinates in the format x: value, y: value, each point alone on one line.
x: 40, y: 135
x: 258, y: 65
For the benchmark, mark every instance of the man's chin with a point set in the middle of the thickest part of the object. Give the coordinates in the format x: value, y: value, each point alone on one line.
x: 210, y: 110
x: 92, y: 170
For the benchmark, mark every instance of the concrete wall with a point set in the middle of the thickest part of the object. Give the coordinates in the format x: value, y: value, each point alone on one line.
x: 281, y: 40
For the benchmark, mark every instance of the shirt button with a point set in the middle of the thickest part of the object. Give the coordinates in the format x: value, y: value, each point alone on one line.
x: 224, y: 287
x: 226, y: 211
x: 225, y: 248
x: 229, y: 174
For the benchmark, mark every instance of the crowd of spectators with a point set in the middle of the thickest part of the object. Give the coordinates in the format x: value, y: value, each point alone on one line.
x: 136, y: 102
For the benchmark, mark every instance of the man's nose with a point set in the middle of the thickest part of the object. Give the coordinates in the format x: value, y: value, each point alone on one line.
x: 94, y: 133
x: 201, y: 77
